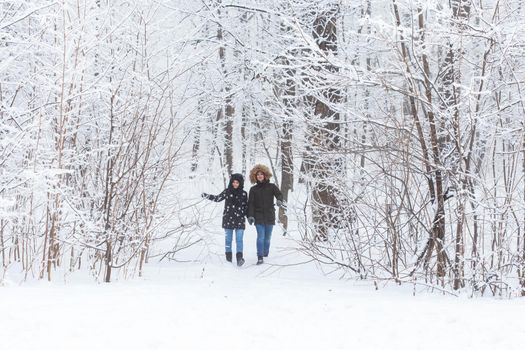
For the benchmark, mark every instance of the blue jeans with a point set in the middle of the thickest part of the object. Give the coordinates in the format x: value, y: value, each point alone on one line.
x: 228, y: 233
x: 264, y: 235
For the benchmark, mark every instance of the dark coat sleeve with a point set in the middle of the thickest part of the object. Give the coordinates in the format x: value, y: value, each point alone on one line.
x: 277, y: 193
x: 251, y: 208
x: 218, y: 198
x: 245, y: 204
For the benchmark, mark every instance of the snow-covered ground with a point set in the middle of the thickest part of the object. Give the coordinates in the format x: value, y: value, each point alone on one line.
x: 215, y: 305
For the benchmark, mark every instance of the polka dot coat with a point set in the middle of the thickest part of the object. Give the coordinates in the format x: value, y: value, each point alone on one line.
x: 235, y: 207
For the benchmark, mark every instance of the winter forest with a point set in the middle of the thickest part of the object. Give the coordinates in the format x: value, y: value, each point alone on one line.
x: 394, y: 129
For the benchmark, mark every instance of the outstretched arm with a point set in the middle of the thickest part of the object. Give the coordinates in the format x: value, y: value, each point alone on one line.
x: 220, y: 197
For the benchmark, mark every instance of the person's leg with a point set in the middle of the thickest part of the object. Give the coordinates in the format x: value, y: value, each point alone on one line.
x: 228, y: 233
x: 238, y: 242
x: 267, y: 237
x: 239, y: 233
x: 260, y: 239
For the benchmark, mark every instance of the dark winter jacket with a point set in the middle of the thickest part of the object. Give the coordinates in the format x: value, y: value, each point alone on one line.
x: 235, y: 206
x: 260, y: 202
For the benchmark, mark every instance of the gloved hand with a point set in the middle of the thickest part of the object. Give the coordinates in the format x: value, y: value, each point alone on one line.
x: 251, y: 220
x: 280, y: 203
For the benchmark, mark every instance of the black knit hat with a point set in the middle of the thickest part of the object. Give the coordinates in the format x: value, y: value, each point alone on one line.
x: 237, y: 177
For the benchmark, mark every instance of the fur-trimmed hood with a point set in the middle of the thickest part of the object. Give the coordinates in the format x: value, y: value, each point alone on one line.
x: 262, y: 168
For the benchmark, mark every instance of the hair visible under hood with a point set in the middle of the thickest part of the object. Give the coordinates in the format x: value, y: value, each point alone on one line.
x: 237, y: 177
x: 260, y: 168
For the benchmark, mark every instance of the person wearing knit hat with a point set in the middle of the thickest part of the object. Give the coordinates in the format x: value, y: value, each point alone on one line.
x: 261, y: 210
x: 233, y: 217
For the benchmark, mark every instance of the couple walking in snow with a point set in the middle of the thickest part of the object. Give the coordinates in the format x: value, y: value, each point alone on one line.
x: 258, y: 207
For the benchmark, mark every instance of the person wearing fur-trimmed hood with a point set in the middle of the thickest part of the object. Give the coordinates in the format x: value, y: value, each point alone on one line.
x: 233, y: 216
x: 261, y: 210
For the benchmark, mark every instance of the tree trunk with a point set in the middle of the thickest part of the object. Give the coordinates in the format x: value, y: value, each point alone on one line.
x: 196, y: 140
x: 324, y: 134
x: 228, y: 107
x: 108, y: 261
x: 438, y: 226
x: 287, y: 177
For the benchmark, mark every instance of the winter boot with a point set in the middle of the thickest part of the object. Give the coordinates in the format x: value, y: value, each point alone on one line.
x: 229, y: 256
x: 259, y: 260
x: 240, y: 259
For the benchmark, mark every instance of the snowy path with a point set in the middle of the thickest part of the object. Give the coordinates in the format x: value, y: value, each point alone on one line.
x: 174, y: 308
